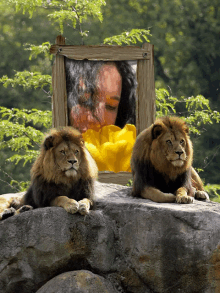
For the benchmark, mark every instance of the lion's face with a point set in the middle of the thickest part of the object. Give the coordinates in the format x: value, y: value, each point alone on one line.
x: 173, y: 147
x: 68, y: 158
x: 170, y: 150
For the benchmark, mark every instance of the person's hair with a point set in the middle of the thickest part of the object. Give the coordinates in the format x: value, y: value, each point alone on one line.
x: 78, y: 71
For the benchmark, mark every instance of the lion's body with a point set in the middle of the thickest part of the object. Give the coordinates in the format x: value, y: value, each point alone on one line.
x: 162, y: 163
x: 41, y: 193
x: 63, y: 174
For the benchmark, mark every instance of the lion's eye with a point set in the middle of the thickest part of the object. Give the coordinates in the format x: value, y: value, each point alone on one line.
x: 62, y: 152
x: 182, y: 141
x: 76, y: 152
x: 169, y: 142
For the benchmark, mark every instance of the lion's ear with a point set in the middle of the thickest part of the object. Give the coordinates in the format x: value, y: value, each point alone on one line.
x: 156, y: 131
x: 186, y: 128
x: 82, y: 142
x: 48, y: 142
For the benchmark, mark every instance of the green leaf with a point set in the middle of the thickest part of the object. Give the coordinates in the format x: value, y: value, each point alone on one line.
x: 27, y: 80
x: 213, y: 190
x: 128, y: 38
x: 63, y: 11
x: 36, y: 50
x: 197, y: 109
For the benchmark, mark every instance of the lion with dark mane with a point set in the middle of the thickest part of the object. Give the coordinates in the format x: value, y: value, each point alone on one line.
x: 161, y: 164
x: 63, y: 175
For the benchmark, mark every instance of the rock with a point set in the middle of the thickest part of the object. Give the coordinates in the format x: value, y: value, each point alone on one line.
x: 78, y: 282
x: 135, y: 244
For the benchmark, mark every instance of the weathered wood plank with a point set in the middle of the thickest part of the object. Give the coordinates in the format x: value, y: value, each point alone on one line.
x: 145, y: 91
x: 59, y: 98
x: 121, y: 178
x: 102, y: 52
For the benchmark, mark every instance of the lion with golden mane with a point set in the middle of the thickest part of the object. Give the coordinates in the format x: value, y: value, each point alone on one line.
x: 63, y: 175
x: 161, y: 164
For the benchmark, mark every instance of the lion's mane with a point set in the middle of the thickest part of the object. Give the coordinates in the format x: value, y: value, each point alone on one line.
x: 149, y: 163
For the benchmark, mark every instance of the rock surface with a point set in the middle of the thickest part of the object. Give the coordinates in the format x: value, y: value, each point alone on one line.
x: 135, y: 244
x: 77, y: 282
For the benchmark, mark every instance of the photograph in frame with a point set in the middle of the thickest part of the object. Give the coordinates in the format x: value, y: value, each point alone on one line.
x: 100, y: 93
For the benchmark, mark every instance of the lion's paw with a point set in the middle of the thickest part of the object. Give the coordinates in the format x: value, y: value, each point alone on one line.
x: 7, y: 213
x: 71, y: 206
x: 184, y: 199
x: 24, y: 208
x: 84, y: 206
x: 200, y: 194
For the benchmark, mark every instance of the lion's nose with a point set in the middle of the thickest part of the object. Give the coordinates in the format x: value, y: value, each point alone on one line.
x: 179, y: 153
x: 72, y: 161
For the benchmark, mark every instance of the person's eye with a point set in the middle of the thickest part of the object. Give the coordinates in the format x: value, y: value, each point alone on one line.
x: 111, y: 108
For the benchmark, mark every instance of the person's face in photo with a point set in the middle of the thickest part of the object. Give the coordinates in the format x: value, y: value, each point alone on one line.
x: 109, y: 86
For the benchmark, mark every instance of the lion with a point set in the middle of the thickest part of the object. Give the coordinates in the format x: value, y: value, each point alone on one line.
x: 63, y: 175
x: 161, y: 164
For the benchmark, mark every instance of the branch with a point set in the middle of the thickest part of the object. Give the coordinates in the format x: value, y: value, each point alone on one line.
x: 212, y: 157
x: 160, y: 70
x: 7, y: 182
x: 80, y: 28
x: 33, y: 142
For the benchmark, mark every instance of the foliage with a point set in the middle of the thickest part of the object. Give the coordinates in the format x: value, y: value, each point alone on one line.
x: 21, y: 131
x: 196, y: 110
x: 36, y: 50
x: 128, y: 38
x: 15, y: 31
x: 212, y: 190
x: 27, y: 80
x: 18, y: 134
x: 63, y: 11
x: 130, y: 182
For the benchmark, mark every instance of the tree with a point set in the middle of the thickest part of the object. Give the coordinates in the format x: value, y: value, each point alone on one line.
x: 16, y: 31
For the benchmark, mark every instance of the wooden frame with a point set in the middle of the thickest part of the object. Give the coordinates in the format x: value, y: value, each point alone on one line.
x: 145, y: 104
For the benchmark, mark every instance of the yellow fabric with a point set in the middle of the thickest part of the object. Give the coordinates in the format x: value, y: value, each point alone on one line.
x: 111, y: 147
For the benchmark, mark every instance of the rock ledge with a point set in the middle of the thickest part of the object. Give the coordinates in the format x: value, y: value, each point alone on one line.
x: 125, y: 245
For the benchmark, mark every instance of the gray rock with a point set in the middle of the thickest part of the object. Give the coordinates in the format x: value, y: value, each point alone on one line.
x: 77, y: 282
x: 137, y: 245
